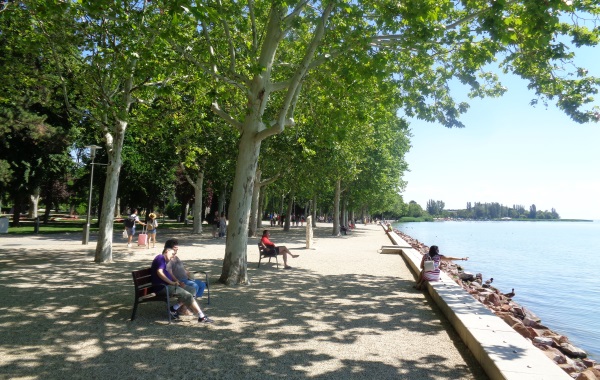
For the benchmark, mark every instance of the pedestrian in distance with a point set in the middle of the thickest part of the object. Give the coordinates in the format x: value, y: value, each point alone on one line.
x: 222, y: 225
x: 152, y: 225
x: 130, y: 223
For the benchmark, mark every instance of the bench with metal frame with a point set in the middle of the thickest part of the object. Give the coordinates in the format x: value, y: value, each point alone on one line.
x: 142, y: 283
x: 265, y: 252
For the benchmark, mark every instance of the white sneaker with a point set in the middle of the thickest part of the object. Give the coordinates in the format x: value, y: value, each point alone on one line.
x: 128, y: 245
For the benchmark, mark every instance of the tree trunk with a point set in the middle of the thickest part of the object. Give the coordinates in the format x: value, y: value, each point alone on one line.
x: 47, y: 213
x: 185, y: 212
x: 281, y: 210
x: 344, y: 213
x: 288, y: 217
x: 336, y: 208
x: 254, y: 208
x: 261, y: 208
x: 17, y: 210
x: 33, y: 203
x: 198, y: 188
x: 222, y: 199
x: 111, y: 187
x: 314, y: 211
x: 235, y: 269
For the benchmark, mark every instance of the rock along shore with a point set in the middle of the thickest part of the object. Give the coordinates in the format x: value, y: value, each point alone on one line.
x: 557, y: 347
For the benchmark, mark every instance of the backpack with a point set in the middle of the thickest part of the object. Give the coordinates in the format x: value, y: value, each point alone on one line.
x: 129, y: 222
x: 428, y: 264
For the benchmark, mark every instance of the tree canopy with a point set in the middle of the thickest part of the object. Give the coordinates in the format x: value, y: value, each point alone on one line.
x: 325, y: 84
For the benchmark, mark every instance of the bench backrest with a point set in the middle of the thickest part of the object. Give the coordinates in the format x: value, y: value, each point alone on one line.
x: 142, y: 280
x: 264, y: 250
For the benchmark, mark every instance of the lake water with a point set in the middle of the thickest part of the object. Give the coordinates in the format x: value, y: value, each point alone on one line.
x: 551, y: 265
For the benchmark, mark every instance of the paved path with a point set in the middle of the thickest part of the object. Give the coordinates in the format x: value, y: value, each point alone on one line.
x: 344, y: 311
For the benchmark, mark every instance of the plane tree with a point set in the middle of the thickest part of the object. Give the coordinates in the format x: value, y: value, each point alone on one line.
x: 122, y: 63
x: 35, y: 130
x: 425, y: 44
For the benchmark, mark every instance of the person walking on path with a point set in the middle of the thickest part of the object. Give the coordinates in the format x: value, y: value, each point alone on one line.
x: 130, y: 225
x: 152, y: 225
x: 282, y: 250
x: 222, y: 225
x: 215, y: 221
x: 162, y: 280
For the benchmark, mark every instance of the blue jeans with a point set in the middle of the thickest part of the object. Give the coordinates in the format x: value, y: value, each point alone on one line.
x: 196, y: 284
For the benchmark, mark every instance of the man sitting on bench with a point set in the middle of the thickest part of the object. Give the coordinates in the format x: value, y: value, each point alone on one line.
x: 161, y: 279
x: 272, y: 248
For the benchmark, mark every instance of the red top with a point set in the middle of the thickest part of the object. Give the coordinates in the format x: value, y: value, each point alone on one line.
x: 268, y: 243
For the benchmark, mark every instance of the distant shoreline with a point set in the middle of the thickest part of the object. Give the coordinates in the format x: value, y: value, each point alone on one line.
x: 430, y: 219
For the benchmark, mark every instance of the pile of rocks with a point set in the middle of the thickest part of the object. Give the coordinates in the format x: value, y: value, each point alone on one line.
x: 571, y: 359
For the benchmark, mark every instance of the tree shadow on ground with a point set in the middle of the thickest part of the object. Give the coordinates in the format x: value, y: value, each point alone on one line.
x: 65, y: 316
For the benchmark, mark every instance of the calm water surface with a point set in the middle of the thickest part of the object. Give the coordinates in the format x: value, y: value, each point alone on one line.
x: 551, y: 266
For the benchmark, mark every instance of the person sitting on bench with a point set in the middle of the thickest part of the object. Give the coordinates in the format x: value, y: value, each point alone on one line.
x: 180, y: 273
x: 275, y: 249
x: 162, y: 279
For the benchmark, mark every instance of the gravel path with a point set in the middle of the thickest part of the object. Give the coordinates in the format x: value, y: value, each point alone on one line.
x: 344, y: 311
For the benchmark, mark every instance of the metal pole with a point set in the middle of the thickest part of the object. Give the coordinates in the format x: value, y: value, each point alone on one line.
x: 86, y: 230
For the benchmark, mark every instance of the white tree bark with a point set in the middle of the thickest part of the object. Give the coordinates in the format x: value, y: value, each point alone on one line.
x: 34, y: 200
x: 255, y: 217
x: 235, y: 268
x: 253, y: 132
x: 288, y: 216
x: 114, y: 147
x: 254, y: 207
x: 198, y: 186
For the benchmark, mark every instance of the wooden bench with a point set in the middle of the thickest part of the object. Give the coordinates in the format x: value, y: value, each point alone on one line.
x: 265, y: 252
x: 142, y: 283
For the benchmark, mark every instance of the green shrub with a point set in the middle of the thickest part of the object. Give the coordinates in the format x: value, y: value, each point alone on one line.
x: 173, y: 210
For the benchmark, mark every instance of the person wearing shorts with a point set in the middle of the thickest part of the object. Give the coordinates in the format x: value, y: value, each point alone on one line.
x: 162, y: 280
x: 282, y: 250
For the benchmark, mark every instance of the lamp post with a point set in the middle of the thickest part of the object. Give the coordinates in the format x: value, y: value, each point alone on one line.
x: 86, y: 230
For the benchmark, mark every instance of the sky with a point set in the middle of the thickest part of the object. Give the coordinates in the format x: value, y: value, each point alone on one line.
x: 511, y: 153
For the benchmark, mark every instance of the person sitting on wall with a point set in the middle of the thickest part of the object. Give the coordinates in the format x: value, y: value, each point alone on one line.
x: 433, y: 274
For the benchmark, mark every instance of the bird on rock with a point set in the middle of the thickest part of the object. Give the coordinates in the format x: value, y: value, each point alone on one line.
x: 511, y: 294
x: 488, y: 283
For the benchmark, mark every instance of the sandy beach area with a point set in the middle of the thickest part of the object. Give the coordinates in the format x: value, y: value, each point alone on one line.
x: 344, y: 311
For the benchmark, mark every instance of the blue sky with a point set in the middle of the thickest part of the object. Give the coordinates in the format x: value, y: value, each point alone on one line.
x: 511, y: 153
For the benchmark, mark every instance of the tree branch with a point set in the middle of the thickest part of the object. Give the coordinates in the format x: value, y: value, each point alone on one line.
x: 253, y: 23
x: 291, y: 96
x: 187, y: 176
x: 225, y: 116
x: 210, y: 72
x: 278, y: 86
x: 270, y: 180
x: 287, y: 20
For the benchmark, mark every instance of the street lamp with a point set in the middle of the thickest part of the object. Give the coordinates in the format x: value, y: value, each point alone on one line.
x: 86, y: 230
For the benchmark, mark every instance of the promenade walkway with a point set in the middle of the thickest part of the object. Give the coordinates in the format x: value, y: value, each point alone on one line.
x: 343, y: 312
